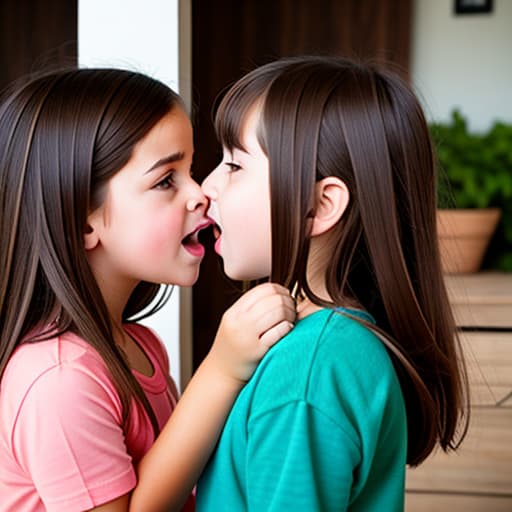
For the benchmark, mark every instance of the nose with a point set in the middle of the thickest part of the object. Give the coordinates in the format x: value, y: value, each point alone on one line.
x: 197, y: 199
x: 210, y: 186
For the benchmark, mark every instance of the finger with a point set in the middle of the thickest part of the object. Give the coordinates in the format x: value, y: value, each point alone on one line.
x: 272, y: 310
x: 271, y: 299
x: 274, y: 334
x: 261, y: 292
x: 271, y: 318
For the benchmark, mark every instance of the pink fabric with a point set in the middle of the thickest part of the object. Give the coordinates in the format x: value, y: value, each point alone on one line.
x: 62, y: 445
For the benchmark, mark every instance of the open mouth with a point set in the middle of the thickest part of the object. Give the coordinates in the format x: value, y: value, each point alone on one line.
x: 192, y: 242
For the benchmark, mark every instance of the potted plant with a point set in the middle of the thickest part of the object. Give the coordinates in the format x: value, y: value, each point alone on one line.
x: 475, y: 191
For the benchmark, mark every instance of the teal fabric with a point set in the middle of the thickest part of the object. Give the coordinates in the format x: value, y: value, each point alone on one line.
x: 321, y: 426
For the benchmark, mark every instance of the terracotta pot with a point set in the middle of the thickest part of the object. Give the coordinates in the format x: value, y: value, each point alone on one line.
x: 464, y: 236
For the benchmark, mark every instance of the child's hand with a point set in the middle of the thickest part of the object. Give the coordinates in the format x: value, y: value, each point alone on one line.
x: 250, y: 327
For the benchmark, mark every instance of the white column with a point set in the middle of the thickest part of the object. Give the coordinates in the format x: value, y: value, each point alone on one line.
x: 153, y: 37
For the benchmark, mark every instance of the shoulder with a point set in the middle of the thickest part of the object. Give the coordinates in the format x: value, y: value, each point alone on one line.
x: 30, y: 361
x: 352, y: 362
x: 326, y: 339
x: 61, y: 372
x: 348, y: 343
x: 329, y: 359
x: 62, y: 424
x: 338, y: 340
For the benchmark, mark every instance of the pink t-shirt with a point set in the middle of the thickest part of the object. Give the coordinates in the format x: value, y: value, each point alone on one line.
x: 62, y: 444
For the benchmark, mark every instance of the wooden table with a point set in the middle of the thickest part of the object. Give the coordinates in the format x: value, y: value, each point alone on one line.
x: 478, y: 477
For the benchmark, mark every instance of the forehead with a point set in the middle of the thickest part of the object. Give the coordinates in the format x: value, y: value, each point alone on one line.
x: 173, y: 129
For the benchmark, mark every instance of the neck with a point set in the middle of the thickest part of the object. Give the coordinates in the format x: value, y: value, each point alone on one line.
x: 305, y: 308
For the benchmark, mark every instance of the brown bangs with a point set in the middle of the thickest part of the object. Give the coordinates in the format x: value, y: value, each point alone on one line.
x: 229, y: 120
x: 234, y: 107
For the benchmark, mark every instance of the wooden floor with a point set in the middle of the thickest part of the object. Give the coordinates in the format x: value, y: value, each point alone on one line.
x: 478, y: 477
x: 455, y: 503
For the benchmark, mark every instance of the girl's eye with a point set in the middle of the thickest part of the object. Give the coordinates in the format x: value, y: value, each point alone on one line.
x: 166, y: 183
x: 233, y: 167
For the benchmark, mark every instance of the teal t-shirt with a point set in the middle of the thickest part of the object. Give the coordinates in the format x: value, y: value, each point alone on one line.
x: 321, y: 426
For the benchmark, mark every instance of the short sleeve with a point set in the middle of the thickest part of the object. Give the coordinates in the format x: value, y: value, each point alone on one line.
x: 68, y: 437
x: 286, y: 447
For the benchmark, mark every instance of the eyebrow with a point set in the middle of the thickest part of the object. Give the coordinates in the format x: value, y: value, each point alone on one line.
x: 175, y: 157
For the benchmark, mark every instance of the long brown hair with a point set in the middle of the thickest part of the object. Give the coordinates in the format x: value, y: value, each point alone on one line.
x: 328, y: 116
x: 63, y: 135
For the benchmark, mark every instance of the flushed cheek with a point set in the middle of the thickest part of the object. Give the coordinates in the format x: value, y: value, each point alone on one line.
x: 163, y: 235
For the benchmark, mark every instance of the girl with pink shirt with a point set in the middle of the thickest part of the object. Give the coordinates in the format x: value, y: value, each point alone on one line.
x: 97, y: 209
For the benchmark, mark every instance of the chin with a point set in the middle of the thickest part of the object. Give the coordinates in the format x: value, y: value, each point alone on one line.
x: 238, y: 274
x: 188, y: 283
x: 184, y: 281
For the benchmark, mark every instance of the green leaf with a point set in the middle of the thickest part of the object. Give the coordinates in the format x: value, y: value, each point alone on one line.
x: 475, y: 171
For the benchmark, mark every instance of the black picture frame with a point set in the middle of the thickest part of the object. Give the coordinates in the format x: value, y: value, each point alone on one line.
x: 473, y: 6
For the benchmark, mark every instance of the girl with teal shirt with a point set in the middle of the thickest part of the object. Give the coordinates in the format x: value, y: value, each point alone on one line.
x: 328, y: 186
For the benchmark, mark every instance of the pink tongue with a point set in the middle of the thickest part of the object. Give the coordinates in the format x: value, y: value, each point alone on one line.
x: 193, y: 247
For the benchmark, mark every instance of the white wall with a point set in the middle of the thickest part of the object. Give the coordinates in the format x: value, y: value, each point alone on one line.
x: 463, y: 61
x: 153, y: 37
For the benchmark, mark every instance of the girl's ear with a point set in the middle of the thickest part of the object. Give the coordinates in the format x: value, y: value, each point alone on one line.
x: 91, y: 233
x: 331, y: 201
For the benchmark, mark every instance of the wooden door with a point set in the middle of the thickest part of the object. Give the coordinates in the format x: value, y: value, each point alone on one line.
x: 36, y: 34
